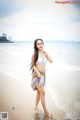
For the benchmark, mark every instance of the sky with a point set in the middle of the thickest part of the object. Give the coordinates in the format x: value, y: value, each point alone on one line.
x: 46, y: 19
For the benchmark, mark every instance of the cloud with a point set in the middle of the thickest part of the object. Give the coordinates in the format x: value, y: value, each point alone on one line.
x: 26, y: 19
x: 77, y: 4
x: 9, y: 7
x: 75, y: 19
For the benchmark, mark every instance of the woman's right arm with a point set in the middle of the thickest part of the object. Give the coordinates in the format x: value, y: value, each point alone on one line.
x: 34, y: 67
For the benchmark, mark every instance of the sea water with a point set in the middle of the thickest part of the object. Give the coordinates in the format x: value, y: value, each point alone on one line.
x: 63, y: 75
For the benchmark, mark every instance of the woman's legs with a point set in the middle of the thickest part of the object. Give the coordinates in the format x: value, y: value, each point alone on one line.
x: 42, y: 97
x: 37, y: 99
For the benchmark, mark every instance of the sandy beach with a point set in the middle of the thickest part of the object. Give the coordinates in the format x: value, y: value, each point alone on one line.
x: 16, y: 95
x: 18, y: 100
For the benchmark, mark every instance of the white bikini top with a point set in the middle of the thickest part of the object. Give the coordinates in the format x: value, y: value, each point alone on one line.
x: 41, y: 60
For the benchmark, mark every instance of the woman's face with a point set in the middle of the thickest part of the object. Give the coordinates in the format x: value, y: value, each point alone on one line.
x: 39, y: 45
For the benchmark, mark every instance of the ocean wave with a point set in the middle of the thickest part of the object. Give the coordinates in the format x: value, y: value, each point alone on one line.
x: 66, y: 66
x: 71, y: 111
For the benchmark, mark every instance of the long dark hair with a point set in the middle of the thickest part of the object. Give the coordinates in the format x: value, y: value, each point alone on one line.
x: 36, y: 51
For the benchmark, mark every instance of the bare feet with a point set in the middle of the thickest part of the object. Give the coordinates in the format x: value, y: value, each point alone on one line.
x: 48, y: 114
x: 36, y: 110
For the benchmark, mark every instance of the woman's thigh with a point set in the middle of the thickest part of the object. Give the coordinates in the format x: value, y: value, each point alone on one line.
x: 40, y: 89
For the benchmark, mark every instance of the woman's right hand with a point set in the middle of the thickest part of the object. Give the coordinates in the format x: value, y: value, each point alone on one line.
x: 39, y: 75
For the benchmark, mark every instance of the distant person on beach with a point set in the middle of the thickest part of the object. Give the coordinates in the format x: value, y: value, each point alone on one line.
x: 38, y: 62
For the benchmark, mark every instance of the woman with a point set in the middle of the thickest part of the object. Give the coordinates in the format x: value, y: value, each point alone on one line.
x: 39, y: 59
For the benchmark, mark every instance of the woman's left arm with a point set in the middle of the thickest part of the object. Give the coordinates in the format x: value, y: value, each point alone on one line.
x: 49, y: 58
